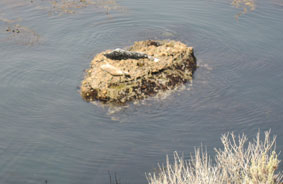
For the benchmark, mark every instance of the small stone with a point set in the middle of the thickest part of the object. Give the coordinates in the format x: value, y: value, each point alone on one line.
x: 112, y: 70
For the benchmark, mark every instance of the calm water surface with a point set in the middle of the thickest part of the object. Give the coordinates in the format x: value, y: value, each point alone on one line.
x: 47, y: 132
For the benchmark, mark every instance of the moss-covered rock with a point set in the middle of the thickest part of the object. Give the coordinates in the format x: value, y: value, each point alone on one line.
x: 145, y: 69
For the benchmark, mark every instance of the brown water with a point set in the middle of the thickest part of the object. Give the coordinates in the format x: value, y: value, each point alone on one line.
x: 47, y: 132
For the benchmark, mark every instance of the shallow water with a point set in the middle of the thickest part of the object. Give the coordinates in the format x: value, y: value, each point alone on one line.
x: 47, y: 132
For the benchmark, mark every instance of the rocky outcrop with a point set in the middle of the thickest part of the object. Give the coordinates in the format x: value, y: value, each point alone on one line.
x: 145, y: 69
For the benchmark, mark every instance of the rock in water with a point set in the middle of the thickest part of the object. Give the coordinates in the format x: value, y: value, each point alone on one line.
x: 145, y: 69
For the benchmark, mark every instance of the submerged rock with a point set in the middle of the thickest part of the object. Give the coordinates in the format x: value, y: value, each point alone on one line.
x: 145, y: 69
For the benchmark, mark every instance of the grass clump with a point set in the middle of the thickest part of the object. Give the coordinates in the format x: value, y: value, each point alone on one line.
x: 238, y: 162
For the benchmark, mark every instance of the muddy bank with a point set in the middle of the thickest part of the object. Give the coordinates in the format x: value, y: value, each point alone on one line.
x: 145, y: 69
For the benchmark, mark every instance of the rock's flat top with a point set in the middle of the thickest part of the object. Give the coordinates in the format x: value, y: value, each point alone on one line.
x: 144, y: 69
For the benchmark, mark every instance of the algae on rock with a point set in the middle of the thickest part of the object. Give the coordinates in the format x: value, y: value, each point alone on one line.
x: 145, y: 69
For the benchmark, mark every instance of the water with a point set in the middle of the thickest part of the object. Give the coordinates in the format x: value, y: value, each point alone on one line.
x: 47, y: 132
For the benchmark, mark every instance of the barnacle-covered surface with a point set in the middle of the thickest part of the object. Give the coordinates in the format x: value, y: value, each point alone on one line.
x: 170, y: 63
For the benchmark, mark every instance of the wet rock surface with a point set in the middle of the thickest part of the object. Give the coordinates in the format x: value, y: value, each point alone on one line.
x: 145, y: 69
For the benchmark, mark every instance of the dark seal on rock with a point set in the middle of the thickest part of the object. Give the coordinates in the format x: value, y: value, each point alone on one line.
x: 145, y: 69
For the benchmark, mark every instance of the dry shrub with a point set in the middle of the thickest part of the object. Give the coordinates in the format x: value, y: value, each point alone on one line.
x: 238, y: 162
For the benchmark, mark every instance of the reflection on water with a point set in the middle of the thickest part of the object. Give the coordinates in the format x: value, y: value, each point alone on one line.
x: 117, y: 112
x: 47, y: 132
x: 278, y: 2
